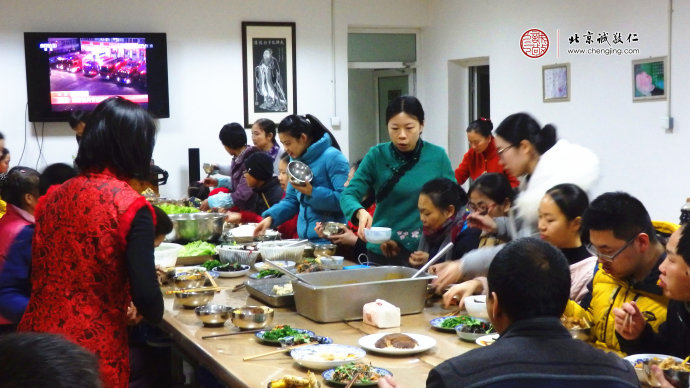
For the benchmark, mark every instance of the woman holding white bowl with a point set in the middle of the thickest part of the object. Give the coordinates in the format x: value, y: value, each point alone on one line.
x: 395, y: 172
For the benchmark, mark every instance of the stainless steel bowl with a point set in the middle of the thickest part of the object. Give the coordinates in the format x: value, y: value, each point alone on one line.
x: 213, y: 315
x: 189, y: 280
x: 194, y: 298
x: 299, y: 173
x: 252, y: 317
x: 332, y: 228
x: 197, y: 226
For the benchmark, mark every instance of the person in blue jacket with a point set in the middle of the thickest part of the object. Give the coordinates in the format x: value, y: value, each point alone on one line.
x: 306, y: 139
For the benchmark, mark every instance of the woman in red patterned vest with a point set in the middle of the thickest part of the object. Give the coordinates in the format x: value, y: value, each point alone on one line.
x: 93, y: 244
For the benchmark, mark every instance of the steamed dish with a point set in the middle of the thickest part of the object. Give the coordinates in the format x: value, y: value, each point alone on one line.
x: 396, y: 340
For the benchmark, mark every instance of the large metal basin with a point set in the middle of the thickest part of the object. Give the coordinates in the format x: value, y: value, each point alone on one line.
x: 340, y: 295
x: 197, y: 226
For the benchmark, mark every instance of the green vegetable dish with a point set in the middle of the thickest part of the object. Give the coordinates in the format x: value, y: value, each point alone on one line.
x: 211, y: 264
x: 197, y: 248
x: 451, y: 322
x: 279, y: 332
x: 170, y: 208
x: 366, y: 374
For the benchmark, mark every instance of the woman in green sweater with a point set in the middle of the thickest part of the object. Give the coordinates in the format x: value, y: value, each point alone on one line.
x: 395, y: 173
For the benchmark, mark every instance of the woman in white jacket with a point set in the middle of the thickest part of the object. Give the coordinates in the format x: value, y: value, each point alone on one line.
x: 533, y: 154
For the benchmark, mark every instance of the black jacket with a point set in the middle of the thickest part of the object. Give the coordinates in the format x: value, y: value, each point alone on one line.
x: 537, y: 352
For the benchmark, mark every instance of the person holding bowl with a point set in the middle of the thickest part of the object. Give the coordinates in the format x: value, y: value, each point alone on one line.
x: 395, y: 172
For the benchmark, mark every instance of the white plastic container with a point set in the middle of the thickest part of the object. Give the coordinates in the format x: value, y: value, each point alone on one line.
x: 166, y: 254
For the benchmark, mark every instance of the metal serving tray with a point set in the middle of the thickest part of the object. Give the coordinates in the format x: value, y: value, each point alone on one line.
x: 261, y: 290
x: 340, y: 295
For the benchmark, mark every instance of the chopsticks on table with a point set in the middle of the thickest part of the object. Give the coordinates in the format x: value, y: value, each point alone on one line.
x: 229, y: 334
x: 181, y: 290
x: 452, y: 313
x: 285, y: 349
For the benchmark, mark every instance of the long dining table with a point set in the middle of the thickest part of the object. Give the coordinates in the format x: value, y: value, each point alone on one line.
x: 223, y: 356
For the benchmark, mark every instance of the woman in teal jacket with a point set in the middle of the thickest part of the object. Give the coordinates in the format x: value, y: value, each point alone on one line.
x: 395, y: 173
x: 307, y: 140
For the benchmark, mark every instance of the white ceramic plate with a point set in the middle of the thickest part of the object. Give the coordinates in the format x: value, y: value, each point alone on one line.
x: 424, y: 343
x: 486, y: 340
x: 233, y: 274
x: 321, y: 357
x: 635, y: 358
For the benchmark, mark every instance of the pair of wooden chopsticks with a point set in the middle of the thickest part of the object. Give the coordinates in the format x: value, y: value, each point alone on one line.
x: 285, y: 349
x: 452, y: 313
x: 354, y: 379
x: 229, y: 334
x: 182, y: 290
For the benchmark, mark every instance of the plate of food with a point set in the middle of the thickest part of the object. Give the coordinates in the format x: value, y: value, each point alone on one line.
x: 448, y: 324
x: 267, y: 274
x: 274, y: 336
x: 321, y: 357
x: 232, y: 270
x: 296, y: 381
x: 672, y: 367
x: 397, y: 343
x: 474, y: 329
x: 486, y: 340
x: 367, y: 375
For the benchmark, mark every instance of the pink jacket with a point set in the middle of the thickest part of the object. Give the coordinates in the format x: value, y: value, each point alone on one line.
x: 10, y: 225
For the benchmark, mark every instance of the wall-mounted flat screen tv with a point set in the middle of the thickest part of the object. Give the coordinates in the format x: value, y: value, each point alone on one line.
x: 75, y: 71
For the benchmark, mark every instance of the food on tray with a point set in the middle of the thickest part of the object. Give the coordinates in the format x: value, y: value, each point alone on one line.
x: 310, y: 265
x: 269, y: 273
x: 572, y: 323
x: 451, y: 322
x: 211, y: 264
x: 381, y: 314
x: 396, y: 340
x: 170, y: 208
x: 282, y: 290
x: 197, y: 248
x: 296, y: 382
x: 365, y: 373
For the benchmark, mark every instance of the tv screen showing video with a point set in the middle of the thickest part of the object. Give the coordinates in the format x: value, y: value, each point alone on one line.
x: 69, y: 72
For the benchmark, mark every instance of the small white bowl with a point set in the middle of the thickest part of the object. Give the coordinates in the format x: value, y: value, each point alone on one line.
x: 476, y: 306
x: 377, y: 234
x: 166, y: 254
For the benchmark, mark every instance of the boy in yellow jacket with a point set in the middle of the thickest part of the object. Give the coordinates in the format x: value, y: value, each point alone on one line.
x: 629, y: 253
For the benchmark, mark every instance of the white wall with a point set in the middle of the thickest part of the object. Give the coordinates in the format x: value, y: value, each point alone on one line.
x: 205, y: 66
x: 636, y: 154
x: 204, y: 41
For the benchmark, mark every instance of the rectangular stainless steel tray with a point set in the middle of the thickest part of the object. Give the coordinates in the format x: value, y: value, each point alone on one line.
x: 261, y: 290
x: 340, y: 295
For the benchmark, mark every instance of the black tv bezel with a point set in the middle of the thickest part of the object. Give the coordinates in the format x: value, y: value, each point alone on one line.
x: 38, y: 75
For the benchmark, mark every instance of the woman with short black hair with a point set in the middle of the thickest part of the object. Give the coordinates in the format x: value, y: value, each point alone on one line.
x: 102, y: 232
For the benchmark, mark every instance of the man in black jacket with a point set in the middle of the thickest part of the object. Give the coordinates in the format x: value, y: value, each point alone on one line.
x: 529, y: 285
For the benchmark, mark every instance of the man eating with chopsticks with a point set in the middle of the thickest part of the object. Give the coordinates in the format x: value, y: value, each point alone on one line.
x: 673, y: 338
x: 629, y: 253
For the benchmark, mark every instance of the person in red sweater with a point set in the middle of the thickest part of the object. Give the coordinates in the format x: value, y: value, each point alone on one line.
x: 482, y: 156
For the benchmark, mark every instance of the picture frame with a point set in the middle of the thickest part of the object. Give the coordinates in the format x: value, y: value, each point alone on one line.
x: 649, y: 78
x: 270, y: 71
x: 556, y: 82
